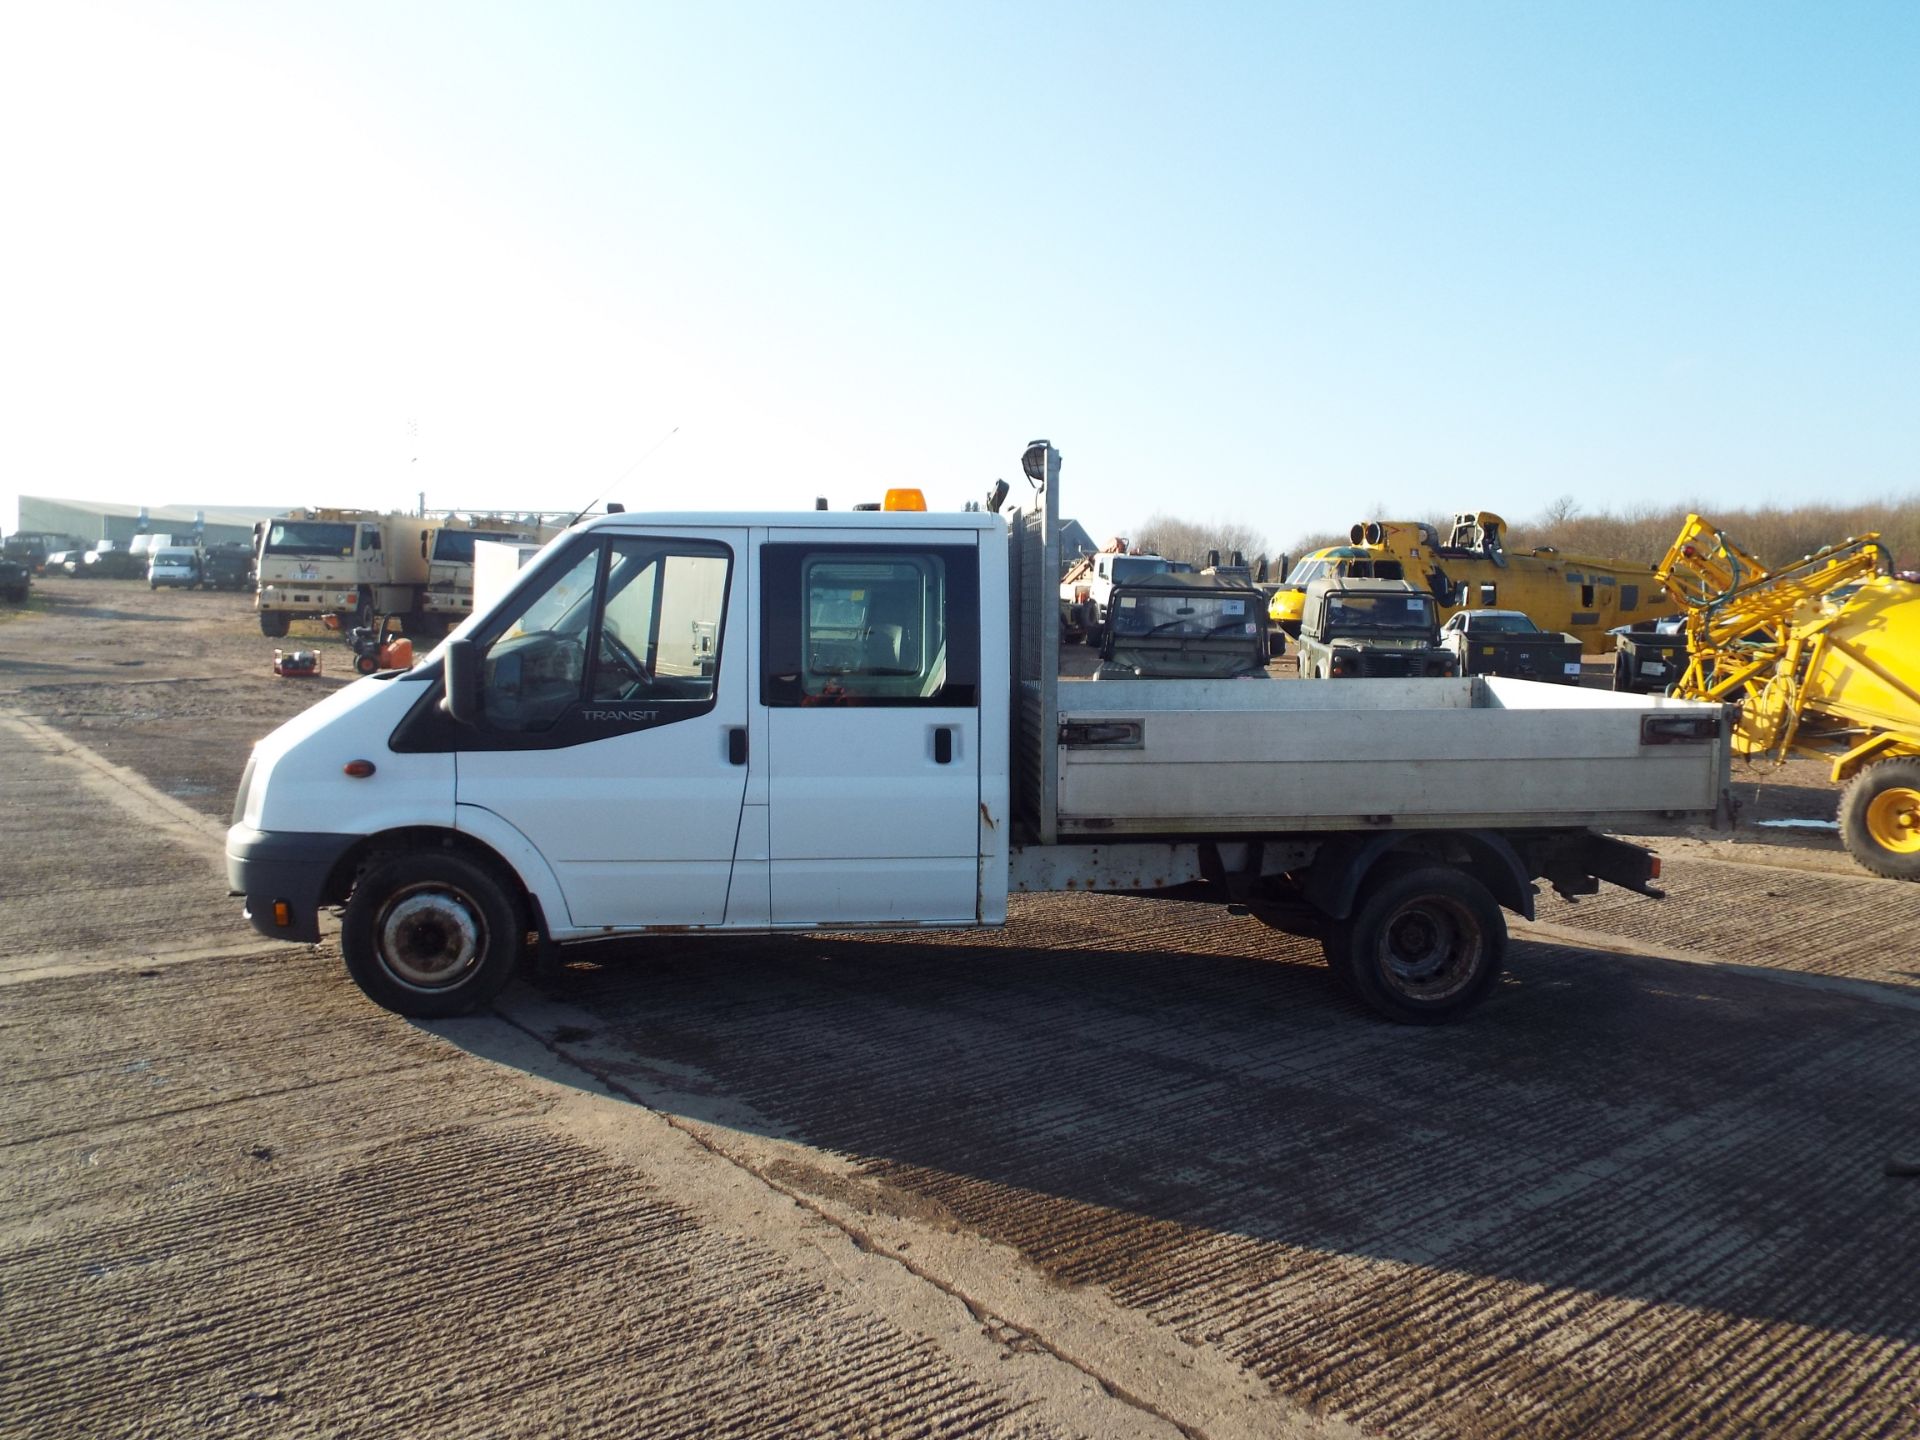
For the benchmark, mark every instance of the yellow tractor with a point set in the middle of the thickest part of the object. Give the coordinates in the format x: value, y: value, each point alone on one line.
x: 1823, y: 657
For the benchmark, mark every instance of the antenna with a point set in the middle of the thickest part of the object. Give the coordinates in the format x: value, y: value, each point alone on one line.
x: 622, y: 475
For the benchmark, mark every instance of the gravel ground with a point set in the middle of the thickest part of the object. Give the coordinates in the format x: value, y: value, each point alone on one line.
x: 1127, y: 1167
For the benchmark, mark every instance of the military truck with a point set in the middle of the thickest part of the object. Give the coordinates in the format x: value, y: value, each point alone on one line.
x: 1368, y: 628
x: 1086, y: 590
x: 16, y: 579
x: 1187, y: 627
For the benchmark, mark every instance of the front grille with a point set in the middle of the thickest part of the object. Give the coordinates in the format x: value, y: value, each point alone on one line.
x: 1388, y: 666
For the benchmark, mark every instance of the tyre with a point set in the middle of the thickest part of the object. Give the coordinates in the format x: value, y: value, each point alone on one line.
x: 1422, y: 947
x: 1880, y: 819
x: 273, y: 623
x: 432, y: 933
x: 363, y: 612
x: 366, y: 665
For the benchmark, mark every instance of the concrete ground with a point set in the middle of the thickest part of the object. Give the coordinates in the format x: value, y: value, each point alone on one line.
x: 1127, y: 1167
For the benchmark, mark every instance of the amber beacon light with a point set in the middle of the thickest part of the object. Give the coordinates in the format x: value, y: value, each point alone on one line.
x: 904, y: 500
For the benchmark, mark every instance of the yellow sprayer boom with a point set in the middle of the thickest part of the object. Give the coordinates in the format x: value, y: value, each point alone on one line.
x: 1823, y: 656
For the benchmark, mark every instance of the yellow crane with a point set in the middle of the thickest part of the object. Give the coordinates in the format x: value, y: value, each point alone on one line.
x: 1823, y: 657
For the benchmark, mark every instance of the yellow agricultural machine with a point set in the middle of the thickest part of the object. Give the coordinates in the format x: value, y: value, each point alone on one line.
x: 1823, y: 657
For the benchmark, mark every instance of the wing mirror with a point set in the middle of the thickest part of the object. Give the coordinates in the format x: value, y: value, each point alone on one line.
x: 460, y: 679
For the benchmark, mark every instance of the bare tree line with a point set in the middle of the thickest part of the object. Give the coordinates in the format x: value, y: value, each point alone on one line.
x: 1185, y: 540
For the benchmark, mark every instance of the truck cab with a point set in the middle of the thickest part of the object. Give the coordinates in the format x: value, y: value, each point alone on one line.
x: 608, y: 736
x: 1086, y: 594
x: 1352, y: 628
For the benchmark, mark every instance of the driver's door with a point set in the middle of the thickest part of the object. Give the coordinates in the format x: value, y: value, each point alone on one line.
x: 609, y: 702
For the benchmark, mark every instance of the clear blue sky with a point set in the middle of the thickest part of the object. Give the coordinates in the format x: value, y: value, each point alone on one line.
x: 1268, y: 263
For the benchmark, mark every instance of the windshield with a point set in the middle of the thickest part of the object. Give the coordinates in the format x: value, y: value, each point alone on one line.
x: 173, y: 557
x: 1380, y: 612
x: 1135, y: 567
x: 1484, y: 624
x: 455, y: 547
x: 309, y: 537
x: 1138, y: 616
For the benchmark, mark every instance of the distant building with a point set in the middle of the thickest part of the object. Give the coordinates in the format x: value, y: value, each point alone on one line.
x: 102, y: 520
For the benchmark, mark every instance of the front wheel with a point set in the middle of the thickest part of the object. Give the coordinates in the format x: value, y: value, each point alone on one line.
x: 273, y: 623
x: 1880, y: 819
x: 1423, y: 946
x: 431, y: 934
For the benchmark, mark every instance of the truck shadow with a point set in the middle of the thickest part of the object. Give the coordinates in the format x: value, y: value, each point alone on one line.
x: 1115, y: 1106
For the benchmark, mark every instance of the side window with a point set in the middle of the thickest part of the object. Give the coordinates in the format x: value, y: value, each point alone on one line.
x: 659, y: 631
x: 1629, y: 597
x: 867, y: 625
x: 632, y: 624
x: 1586, y: 597
x: 370, y: 538
x: 1489, y: 594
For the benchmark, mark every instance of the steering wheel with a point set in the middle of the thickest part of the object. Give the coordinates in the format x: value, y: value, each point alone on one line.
x: 623, y: 661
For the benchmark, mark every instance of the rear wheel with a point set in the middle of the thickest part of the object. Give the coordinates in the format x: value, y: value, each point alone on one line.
x: 1422, y: 947
x: 1880, y: 819
x: 273, y: 623
x: 432, y: 934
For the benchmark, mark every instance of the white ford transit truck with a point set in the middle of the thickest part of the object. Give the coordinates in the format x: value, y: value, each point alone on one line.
x: 704, y: 723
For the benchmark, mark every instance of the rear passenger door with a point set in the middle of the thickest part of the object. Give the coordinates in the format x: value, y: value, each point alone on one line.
x: 870, y: 688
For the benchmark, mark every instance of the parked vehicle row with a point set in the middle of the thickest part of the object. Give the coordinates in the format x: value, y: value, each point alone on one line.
x: 225, y: 567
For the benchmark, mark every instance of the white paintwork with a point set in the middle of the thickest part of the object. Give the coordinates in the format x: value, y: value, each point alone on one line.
x: 298, y: 783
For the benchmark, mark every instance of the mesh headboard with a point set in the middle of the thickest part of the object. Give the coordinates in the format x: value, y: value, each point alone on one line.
x: 1034, y: 578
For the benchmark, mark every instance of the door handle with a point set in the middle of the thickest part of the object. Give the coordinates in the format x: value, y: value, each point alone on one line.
x: 943, y: 744
x: 736, y: 744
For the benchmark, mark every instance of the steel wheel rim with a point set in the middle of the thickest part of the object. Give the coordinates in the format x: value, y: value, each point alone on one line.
x: 430, y: 937
x: 1893, y: 820
x: 1429, y: 947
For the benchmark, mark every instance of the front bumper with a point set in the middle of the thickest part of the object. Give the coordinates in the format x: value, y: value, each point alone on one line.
x: 290, y: 868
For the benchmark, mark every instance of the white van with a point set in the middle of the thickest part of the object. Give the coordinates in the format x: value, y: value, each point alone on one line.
x: 173, y: 565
